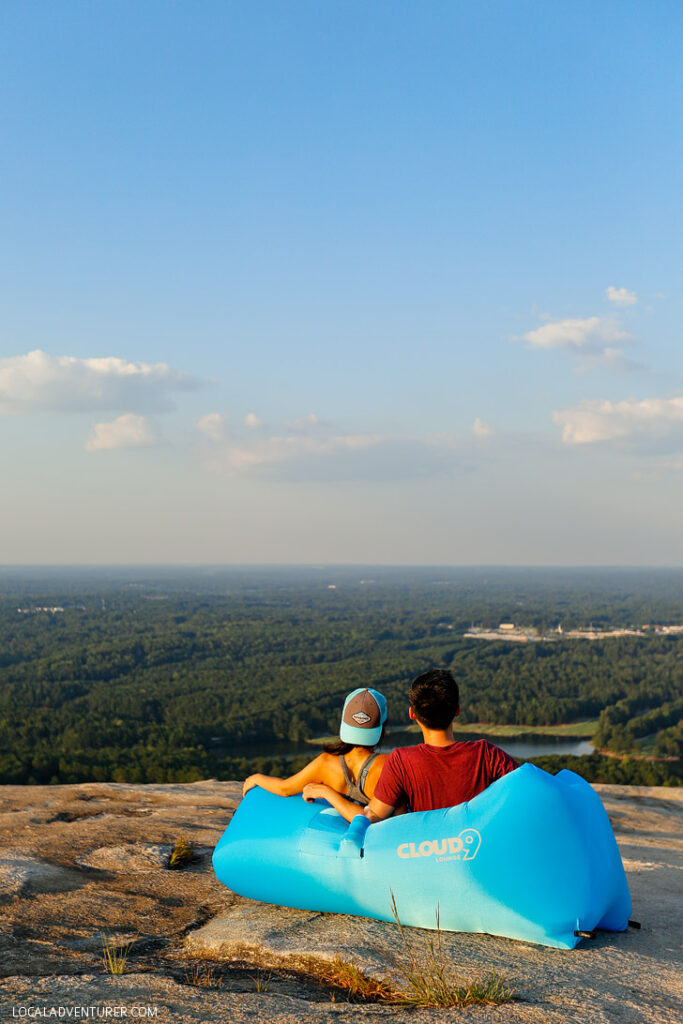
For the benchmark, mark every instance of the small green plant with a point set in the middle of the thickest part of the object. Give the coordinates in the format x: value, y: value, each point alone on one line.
x: 203, y: 977
x: 430, y: 981
x: 115, y: 955
x: 182, y: 854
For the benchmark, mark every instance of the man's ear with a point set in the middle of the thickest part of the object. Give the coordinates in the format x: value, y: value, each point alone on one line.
x: 457, y: 712
x: 411, y: 714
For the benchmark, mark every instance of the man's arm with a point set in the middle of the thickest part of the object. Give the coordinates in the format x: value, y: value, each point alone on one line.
x: 389, y: 786
x: 378, y: 811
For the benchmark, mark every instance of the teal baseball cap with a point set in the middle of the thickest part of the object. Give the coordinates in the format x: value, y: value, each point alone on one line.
x: 363, y: 715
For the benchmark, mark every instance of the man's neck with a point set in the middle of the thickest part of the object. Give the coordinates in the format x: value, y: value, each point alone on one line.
x: 437, y: 737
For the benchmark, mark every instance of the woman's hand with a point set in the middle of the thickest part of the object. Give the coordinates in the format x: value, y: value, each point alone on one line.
x: 315, y: 790
x: 249, y: 783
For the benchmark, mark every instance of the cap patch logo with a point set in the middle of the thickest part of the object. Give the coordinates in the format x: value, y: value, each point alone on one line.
x: 360, y: 717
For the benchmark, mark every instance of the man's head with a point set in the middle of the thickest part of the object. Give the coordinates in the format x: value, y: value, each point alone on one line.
x: 435, y: 699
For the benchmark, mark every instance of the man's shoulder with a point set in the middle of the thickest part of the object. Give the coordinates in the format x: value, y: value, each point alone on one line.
x: 481, y: 743
x: 408, y: 751
x: 494, y: 748
x: 489, y: 744
x: 498, y: 758
x: 401, y: 757
x: 484, y: 750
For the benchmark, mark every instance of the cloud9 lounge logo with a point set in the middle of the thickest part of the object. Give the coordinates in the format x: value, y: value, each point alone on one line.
x: 464, y: 846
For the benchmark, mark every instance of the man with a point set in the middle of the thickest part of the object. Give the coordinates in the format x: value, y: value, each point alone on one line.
x: 439, y: 772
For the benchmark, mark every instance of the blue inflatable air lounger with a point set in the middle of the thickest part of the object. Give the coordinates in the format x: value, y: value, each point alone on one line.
x: 533, y: 857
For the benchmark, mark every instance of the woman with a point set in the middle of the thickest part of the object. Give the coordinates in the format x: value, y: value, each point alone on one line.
x: 347, y: 771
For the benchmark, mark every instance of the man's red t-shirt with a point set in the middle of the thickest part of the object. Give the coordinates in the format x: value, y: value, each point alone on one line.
x: 430, y: 777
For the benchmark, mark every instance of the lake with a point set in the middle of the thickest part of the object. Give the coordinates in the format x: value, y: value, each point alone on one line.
x: 528, y: 746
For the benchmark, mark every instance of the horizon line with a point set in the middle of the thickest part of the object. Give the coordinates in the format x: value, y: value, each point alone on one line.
x: 321, y: 566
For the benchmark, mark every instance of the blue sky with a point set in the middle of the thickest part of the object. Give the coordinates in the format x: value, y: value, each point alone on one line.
x: 341, y: 282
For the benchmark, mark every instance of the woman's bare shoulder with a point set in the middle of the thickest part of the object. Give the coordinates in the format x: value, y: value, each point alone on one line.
x: 330, y: 770
x: 377, y: 765
x: 323, y: 760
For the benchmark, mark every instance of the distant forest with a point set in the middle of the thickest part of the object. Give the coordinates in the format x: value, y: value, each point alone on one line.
x: 153, y: 675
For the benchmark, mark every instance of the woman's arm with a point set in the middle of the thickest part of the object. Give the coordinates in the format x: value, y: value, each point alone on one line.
x: 347, y: 808
x: 286, y: 787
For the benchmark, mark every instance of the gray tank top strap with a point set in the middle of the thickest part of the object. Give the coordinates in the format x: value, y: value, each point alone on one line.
x: 344, y: 768
x: 353, y: 790
x: 363, y: 773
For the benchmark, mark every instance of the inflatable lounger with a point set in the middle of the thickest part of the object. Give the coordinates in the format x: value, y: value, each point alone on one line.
x: 533, y: 857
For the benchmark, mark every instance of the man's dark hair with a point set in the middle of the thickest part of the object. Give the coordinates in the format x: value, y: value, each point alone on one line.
x: 434, y: 697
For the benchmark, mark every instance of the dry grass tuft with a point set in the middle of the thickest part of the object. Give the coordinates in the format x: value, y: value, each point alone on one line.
x: 203, y: 977
x: 261, y: 981
x: 115, y: 955
x: 430, y: 981
x: 359, y: 987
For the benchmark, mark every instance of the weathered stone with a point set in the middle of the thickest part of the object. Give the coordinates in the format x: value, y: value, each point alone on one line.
x: 21, y: 873
x: 56, y: 912
x: 140, y: 857
x: 131, y: 857
x: 278, y: 937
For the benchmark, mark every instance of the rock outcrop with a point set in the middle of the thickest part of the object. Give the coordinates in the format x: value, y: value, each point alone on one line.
x: 85, y: 865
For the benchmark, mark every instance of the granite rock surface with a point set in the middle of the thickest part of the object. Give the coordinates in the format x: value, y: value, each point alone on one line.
x: 85, y: 865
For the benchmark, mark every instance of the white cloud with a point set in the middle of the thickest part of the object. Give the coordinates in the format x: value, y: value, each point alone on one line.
x: 482, y: 429
x: 611, y: 359
x: 621, y: 296
x: 590, y: 334
x: 127, y: 431
x: 286, y: 448
x: 591, y: 340
x: 600, y: 420
x: 38, y: 382
x: 213, y: 425
x: 252, y: 420
x: 302, y: 423
x: 341, y: 457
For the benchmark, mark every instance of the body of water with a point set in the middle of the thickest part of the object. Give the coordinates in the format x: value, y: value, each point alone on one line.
x: 521, y: 748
